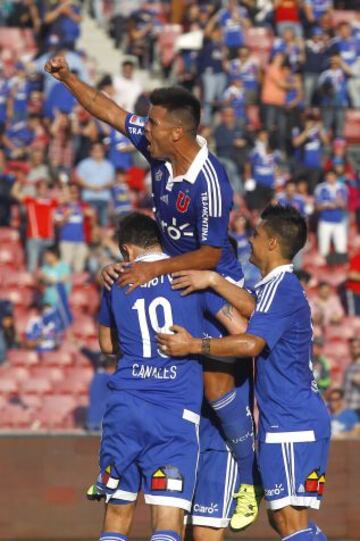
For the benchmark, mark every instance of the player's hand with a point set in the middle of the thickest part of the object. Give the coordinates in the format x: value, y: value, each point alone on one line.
x: 58, y: 68
x: 192, y: 280
x: 177, y: 344
x: 109, y: 275
x: 136, y: 274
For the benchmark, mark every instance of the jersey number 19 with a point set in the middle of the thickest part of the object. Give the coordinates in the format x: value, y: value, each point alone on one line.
x: 151, y: 314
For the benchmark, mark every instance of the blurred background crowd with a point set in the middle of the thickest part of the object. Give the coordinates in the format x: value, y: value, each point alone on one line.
x: 279, y: 82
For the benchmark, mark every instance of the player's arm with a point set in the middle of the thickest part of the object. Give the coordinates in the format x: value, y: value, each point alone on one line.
x: 239, y: 298
x: 107, y: 340
x: 93, y: 100
x: 183, y: 343
x: 136, y: 274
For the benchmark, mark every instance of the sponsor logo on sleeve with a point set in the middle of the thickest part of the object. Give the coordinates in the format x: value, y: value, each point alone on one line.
x: 137, y: 120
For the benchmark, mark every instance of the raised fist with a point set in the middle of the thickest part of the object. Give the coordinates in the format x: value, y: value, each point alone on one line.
x: 58, y: 68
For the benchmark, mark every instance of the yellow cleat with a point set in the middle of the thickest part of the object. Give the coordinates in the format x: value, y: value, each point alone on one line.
x: 247, y: 506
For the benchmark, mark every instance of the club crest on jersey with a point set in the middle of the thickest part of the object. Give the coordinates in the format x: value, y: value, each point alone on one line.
x: 167, y: 478
x: 137, y: 120
x: 158, y: 175
x: 108, y: 480
x: 182, y: 202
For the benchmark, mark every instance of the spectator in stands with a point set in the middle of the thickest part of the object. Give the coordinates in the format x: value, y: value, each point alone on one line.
x: 59, y: 99
x: 343, y: 419
x: 332, y: 87
x: 273, y: 97
x: 119, y: 150
x: 320, y: 365
x: 339, y: 156
x: 39, y: 212
x: 353, y: 286
x: 352, y: 377
x: 231, y: 147
x: 331, y: 203
x: 316, y: 60
x: 233, y: 20
x: 287, y: 15
x: 18, y: 139
x: 240, y: 232
x: 314, y: 10
x: 210, y: 69
x: 247, y: 66
x: 8, y: 334
x: 64, y: 20
x: 127, y: 87
x: 61, y: 150
x: 7, y: 179
x: 290, y: 196
x: 96, y: 177
x: 99, y: 392
x: 347, y: 46
x: 70, y: 219
x: 43, y: 332
x: 19, y: 94
x: 327, y: 305
x: 121, y: 195
x: 292, y: 47
x: 261, y: 171
x: 294, y: 104
x: 54, y: 275
x: 140, y: 38
x: 234, y: 97
x: 309, y: 145
x: 86, y: 133
x: 38, y: 170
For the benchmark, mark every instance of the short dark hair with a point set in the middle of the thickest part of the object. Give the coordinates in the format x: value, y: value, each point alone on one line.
x: 287, y: 224
x: 180, y: 102
x: 53, y: 249
x: 139, y: 229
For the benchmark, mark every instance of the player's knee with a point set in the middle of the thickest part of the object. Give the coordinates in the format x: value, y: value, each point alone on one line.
x: 118, y: 518
x: 167, y: 518
x: 216, y: 385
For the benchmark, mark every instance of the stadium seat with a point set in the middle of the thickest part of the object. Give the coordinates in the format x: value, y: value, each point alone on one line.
x: 80, y: 278
x: 86, y: 298
x: 3, y: 402
x: 18, y: 40
x: 11, y: 255
x: 342, y: 15
x: 259, y: 39
x: 52, y: 373
x: 57, y: 358
x: 8, y: 235
x: 84, y: 327
x: 21, y: 296
x: 22, y: 357
x: 352, y: 126
x: 20, y: 278
x: 8, y: 386
x: 18, y: 373
x: 76, y: 382
x: 16, y: 416
x: 56, y: 412
x: 340, y: 331
x: 37, y: 386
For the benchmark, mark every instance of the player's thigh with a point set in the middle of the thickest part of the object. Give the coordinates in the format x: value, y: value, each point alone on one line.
x: 293, y: 473
x: 202, y: 533
x: 213, y: 501
x: 167, y: 518
x: 218, y: 378
x: 119, y: 518
x: 169, y: 461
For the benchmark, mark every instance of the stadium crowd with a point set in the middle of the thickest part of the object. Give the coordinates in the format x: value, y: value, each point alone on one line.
x: 280, y: 84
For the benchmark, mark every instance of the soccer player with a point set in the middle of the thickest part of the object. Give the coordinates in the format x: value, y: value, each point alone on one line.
x: 294, y: 427
x: 192, y: 198
x: 150, y: 427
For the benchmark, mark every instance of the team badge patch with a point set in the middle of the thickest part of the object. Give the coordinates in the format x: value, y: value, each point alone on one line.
x: 315, y: 483
x: 182, y: 202
x: 108, y: 480
x: 167, y: 478
x: 321, y: 487
x: 137, y: 120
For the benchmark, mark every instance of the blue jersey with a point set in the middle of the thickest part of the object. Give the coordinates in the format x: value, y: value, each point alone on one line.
x: 330, y: 193
x: 298, y: 202
x: 117, y: 142
x: 143, y: 369
x: 4, y: 95
x: 348, y: 49
x: 320, y: 7
x: 286, y: 391
x: 264, y: 167
x: 311, y: 151
x: 193, y: 210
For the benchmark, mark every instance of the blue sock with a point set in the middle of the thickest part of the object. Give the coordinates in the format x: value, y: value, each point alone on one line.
x: 318, y: 534
x: 237, y: 424
x: 302, y: 535
x: 113, y: 536
x: 165, y: 535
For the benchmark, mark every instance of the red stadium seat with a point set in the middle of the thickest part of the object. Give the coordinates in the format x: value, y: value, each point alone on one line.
x: 3, y: 402
x: 14, y: 416
x: 21, y: 296
x: 56, y: 411
x: 342, y: 15
x: 20, y: 278
x: 37, y: 386
x: 352, y: 126
x: 17, y: 39
x: 17, y: 373
x: 259, y: 39
x: 85, y: 297
x: 8, y: 235
x: 57, y: 358
x: 22, y: 357
x: 341, y: 331
x: 76, y: 382
x: 8, y: 386
x: 80, y: 278
x: 52, y: 373
x: 84, y: 327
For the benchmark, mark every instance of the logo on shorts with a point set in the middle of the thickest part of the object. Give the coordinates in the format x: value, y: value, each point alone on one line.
x: 276, y: 491
x: 108, y: 480
x: 167, y: 478
x: 315, y: 483
x: 206, y: 509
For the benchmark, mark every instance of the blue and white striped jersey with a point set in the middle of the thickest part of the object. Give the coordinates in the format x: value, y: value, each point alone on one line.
x: 287, y: 394
x: 192, y: 210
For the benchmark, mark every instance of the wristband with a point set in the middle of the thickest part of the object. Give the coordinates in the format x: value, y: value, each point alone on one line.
x: 205, y: 346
